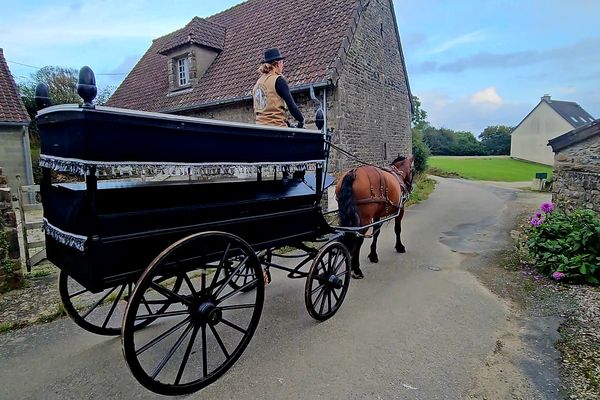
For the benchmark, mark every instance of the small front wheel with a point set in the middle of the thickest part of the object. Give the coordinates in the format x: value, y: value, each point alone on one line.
x: 327, y: 282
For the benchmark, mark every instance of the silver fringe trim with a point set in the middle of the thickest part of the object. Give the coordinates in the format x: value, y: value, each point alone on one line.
x: 82, y: 167
x: 66, y: 238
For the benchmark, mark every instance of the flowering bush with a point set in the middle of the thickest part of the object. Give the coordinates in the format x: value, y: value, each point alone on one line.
x: 566, y: 246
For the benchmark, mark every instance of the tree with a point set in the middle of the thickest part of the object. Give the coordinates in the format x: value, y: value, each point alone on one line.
x: 444, y: 141
x: 496, y: 139
x: 419, y: 117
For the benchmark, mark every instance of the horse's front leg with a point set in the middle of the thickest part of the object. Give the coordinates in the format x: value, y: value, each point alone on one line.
x: 398, y: 229
x: 373, y: 254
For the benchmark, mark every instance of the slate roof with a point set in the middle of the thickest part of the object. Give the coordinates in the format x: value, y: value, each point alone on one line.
x: 575, y: 136
x: 310, y: 33
x: 571, y: 112
x: 12, y: 108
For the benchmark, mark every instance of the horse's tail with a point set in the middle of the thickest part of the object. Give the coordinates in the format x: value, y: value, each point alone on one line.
x: 348, y: 209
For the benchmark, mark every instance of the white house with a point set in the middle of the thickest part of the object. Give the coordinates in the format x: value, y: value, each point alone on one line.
x: 549, y: 119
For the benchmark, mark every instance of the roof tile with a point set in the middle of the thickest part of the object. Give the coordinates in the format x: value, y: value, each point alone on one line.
x: 308, y: 32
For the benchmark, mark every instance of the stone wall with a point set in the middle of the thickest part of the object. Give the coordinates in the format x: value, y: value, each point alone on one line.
x: 577, y: 175
x: 10, y: 266
x: 372, y: 106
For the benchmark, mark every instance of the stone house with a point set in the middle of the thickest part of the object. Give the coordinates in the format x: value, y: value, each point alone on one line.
x: 15, y: 153
x: 348, y: 50
x: 547, y: 120
x: 577, y: 167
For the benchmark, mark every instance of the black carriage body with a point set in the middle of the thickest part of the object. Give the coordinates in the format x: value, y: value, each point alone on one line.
x: 123, y: 225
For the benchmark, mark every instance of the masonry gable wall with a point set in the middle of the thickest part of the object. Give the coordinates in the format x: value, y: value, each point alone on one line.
x: 371, y: 105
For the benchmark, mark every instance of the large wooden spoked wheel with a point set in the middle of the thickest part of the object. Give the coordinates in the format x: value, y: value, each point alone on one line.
x: 327, y: 282
x: 102, y: 313
x: 210, y: 322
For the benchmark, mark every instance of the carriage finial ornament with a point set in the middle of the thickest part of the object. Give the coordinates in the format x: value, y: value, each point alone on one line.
x: 42, y: 96
x: 86, y: 86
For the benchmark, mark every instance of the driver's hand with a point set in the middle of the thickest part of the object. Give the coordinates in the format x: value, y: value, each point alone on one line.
x: 300, y: 124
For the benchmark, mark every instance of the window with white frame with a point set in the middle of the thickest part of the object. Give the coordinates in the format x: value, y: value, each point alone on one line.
x: 183, y: 71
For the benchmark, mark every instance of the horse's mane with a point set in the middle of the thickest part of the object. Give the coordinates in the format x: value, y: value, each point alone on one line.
x: 399, y: 159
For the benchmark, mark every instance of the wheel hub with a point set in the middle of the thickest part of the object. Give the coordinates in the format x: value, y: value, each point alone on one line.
x: 207, y: 312
x: 334, y: 282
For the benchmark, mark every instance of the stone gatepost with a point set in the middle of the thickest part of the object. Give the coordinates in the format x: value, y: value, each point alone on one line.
x: 11, y: 276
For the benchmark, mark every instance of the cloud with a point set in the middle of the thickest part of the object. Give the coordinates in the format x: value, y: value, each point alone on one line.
x: 471, y: 37
x: 569, y: 56
x: 473, y: 112
x: 487, y: 97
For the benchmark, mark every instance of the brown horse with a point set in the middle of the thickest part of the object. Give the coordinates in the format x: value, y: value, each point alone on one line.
x: 366, y: 195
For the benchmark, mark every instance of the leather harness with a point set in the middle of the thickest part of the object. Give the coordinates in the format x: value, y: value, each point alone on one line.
x: 383, y: 196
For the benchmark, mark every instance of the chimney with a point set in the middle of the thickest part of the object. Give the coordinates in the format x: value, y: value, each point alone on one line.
x: 546, y: 97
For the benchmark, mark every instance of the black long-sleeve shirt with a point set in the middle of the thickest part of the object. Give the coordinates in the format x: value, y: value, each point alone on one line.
x: 283, y: 90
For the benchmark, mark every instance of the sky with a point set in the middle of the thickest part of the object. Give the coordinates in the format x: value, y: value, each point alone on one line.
x: 472, y: 63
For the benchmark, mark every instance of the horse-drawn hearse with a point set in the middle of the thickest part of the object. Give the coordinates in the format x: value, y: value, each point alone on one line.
x: 185, y: 260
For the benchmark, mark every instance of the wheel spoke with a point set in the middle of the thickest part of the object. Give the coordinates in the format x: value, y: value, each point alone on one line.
x: 163, y: 315
x: 234, y: 292
x: 204, y: 352
x: 221, y: 264
x: 114, y: 305
x: 145, y: 302
x: 187, y: 280
x: 237, y: 307
x: 232, y: 275
x: 168, y: 356
x: 337, y: 255
x: 168, y: 293
x: 77, y: 293
x: 221, y: 344
x: 329, y: 301
x: 317, y: 288
x: 186, y: 356
x: 319, y: 296
x: 322, y: 302
x: 162, y: 336
x: 337, y: 298
x: 234, y: 326
x: 98, y: 303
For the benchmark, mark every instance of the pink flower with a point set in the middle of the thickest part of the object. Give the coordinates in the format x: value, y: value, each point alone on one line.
x: 558, y: 276
x: 537, y: 214
x: 547, y: 207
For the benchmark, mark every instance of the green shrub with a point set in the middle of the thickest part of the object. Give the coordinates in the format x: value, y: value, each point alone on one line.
x: 566, y: 245
x: 420, y: 150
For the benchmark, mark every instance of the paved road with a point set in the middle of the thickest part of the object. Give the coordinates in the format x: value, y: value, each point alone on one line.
x: 406, y: 331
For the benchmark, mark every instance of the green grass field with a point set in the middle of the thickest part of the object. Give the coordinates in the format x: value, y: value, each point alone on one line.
x: 500, y: 169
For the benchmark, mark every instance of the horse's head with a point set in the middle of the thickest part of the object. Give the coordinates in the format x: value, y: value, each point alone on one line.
x: 406, y: 168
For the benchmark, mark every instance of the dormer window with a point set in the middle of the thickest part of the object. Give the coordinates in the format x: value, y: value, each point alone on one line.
x: 190, y: 52
x: 183, y: 67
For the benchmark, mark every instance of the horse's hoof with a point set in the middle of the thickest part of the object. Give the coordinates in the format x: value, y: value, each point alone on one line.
x: 357, y: 274
x: 400, y: 249
x: 373, y: 258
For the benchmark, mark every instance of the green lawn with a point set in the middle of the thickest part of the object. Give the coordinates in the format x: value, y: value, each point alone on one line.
x: 501, y: 169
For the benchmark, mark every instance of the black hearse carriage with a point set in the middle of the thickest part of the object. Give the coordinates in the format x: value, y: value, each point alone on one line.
x: 186, y: 259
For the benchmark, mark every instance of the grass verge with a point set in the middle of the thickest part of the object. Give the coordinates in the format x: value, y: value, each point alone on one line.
x: 422, y: 188
x: 500, y: 169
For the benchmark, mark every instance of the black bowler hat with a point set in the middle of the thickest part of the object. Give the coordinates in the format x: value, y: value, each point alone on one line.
x: 272, y: 55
